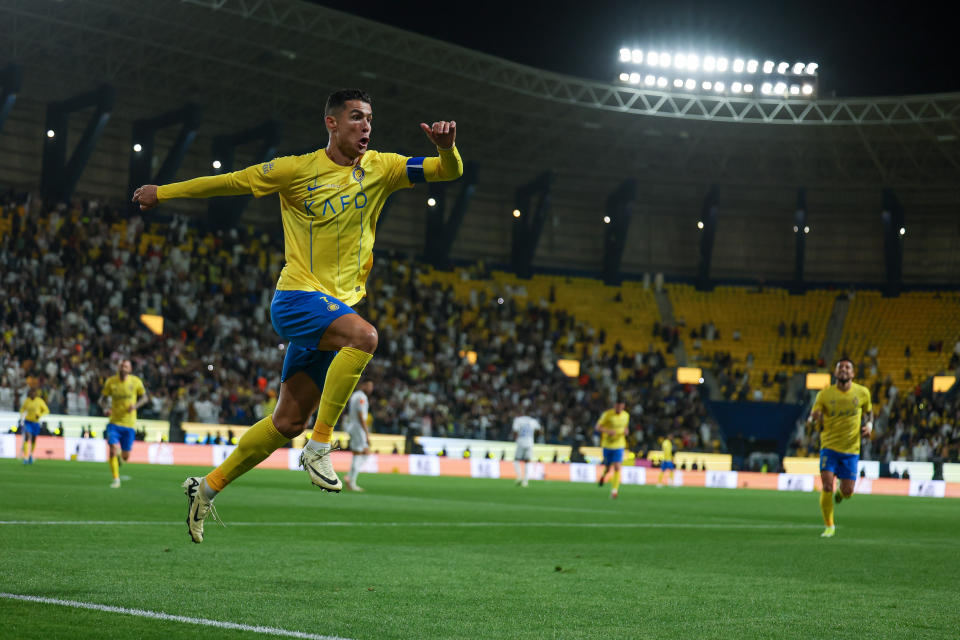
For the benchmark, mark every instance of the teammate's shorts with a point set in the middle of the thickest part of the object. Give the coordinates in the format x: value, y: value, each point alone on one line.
x: 842, y: 465
x: 523, y: 452
x: 358, y: 439
x: 31, y: 428
x: 302, y: 317
x: 612, y: 455
x: 124, y: 436
x: 667, y: 465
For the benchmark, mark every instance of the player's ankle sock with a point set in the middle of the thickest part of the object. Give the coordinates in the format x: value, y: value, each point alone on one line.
x: 342, y: 378
x: 321, y: 436
x: 208, y: 491
x: 114, y: 467
x: 254, y: 446
x: 26, y: 448
x: 516, y: 469
x: 616, y: 480
x: 826, y: 506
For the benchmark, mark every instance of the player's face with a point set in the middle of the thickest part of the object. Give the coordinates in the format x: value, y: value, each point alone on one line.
x: 352, y: 127
x: 126, y: 368
x: 844, y: 372
x: 618, y: 407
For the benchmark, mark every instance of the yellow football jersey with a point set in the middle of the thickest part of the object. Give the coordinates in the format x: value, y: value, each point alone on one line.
x: 667, y: 447
x: 620, y: 422
x: 34, y: 408
x: 842, y: 415
x: 123, y: 396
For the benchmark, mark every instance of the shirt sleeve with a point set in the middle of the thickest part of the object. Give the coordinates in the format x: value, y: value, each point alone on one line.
x: 406, y: 172
x: 44, y: 409
x: 362, y: 409
x: 818, y: 403
x: 270, y: 177
x: 868, y: 404
x: 141, y: 390
x: 227, y: 184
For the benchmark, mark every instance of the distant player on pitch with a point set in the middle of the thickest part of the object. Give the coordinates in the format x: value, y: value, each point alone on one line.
x: 120, y: 398
x: 525, y: 430
x: 847, y: 414
x: 32, y: 410
x: 355, y: 424
x: 666, y: 465
x: 613, y: 426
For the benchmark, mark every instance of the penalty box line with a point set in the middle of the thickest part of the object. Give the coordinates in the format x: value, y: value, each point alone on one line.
x: 159, y: 615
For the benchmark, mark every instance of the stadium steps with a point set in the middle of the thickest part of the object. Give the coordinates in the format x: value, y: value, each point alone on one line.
x: 838, y: 317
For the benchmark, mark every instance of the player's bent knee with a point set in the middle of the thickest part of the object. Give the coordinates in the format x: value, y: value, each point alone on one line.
x: 366, y: 339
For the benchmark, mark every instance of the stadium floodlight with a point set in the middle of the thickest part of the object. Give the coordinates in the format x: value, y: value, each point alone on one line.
x: 738, y: 66
x: 807, y: 89
x: 661, y: 82
x: 624, y: 77
x: 137, y: 148
x: 51, y: 133
x: 709, y: 63
x: 752, y: 66
x: 780, y: 88
x: 624, y: 55
x: 707, y: 85
x: 736, y: 87
x: 794, y: 89
x: 782, y: 67
x: 606, y: 219
x: 216, y: 164
x: 748, y: 88
x: 677, y: 82
x: 680, y: 61
x: 766, y: 88
x: 699, y: 224
x: 516, y: 213
x: 634, y: 78
x: 718, y: 87
x: 690, y: 84
x: 812, y: 68
x: 653, y: 58
x: 693, y: 62
x: 650, y: 80
x: 903, y: 231
x: 768, y: 66
x: 636, y: 56
x: 722, y: 64
x: 806, y: 229
x: 431, y: 202
x: 664, y: 59
x: 796, y: 228
x: 209, y: 367
x: 797, y: 68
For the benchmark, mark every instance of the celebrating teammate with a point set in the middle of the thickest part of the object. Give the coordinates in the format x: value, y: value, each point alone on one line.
x: 121, y: 396
x: 32, y: 410
x: 330, y: 201
x: 524, y: 430
x: 847, y: 414
x: 355, y: 424
x: 613, y: 426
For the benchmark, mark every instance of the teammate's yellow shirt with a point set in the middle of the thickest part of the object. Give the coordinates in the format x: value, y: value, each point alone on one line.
x: 329, y: 211
x: 842, y: 415
x: 667, y: 447
x: 619, y: 422
x: 35, y: 408
x: 123, y: 395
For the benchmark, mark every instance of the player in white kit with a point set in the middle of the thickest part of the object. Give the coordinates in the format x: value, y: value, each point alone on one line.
x: 355, y: 424
x: 525, y: 430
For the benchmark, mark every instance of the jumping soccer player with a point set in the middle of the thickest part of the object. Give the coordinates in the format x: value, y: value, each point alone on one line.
x: 667, y: 463
x: 847, y: 414
x: 524, y: 430
x: 120, y: 398
x: 613, y: 427
x: 32, y: 410
x: 355, y: 424
x: 330, y: 201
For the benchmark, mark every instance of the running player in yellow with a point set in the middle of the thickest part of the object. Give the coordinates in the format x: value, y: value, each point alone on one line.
x: 613, y: 426
x: 32, y: 410
x: 847, y: 415
x: 667, y: 463
x: 121, y: 396
x: 330, y: 201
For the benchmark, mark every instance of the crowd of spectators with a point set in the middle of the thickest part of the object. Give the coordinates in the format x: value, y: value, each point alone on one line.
x: 76, y: 280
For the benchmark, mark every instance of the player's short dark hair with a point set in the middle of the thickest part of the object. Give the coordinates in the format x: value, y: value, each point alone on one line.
x: 338, y: 98
x: 846, y: 360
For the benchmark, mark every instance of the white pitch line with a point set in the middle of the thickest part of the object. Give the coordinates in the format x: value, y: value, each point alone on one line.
x: 158, y: 615
x: 598, y: 525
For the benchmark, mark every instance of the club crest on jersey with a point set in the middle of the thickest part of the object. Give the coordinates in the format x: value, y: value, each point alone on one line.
x: 856, y: 400
x: 332, y: 306
x: 358, y: 174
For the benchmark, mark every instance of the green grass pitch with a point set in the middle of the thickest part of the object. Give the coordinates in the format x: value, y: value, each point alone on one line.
x: 420, y: 557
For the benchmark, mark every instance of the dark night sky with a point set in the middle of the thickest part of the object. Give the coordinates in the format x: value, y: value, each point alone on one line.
x: 863, y: 48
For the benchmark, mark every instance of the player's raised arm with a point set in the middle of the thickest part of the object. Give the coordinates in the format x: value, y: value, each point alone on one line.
x: 448, y: 165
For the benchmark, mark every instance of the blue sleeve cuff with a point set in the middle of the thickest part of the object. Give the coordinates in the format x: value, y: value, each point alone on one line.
x: 415, y: 170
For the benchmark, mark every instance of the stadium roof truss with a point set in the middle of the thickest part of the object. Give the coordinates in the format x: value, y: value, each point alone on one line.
x: 250, y: 59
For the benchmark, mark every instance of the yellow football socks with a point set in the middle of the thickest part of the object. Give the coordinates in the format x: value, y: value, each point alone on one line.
x: 616, y: 480
x: 342, y: 378
x: 115, y: 467
x: 26, y: 448
x: 826, y: 506
x: 254, y: 447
